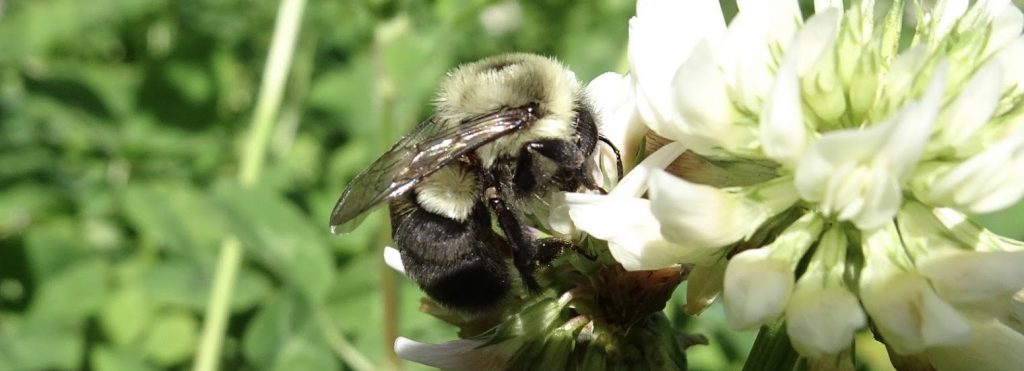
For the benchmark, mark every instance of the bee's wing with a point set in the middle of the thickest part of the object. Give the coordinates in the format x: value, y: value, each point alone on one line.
x: 430, y: 146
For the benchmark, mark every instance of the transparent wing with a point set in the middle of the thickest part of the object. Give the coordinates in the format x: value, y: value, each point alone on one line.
x: 427, y: 148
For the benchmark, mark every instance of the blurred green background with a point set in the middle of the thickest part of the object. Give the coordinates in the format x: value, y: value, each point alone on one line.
x: 121, y: 129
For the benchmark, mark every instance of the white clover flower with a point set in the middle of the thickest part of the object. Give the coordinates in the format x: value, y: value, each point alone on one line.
x: 823, y: 313
x: 615, y: 107
x: 461, y: 354
x: 874, y: 151
x: 393, y: 258
x: 993, y: 346
x: 758, y: 282
x: 634, y: 237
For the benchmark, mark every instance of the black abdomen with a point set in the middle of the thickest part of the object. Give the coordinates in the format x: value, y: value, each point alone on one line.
x: 458, y: 264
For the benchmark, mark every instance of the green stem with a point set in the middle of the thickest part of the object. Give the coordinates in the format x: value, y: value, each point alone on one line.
x: 389, y: 293
x: 771, y: 350
x: 290, y: 116
x: 211, y: 340
x: 384, y: 104
x: 268, y: 103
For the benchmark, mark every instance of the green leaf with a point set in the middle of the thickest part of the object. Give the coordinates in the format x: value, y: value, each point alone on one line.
x: 23, y: 203
x: 104, y: 358
x: 332, y: 92
x: 73, y: 294
x: 53, y: 246
x: 302, y: 354
x: 178, y: 282
x: 419, y: 59
x: 299, y: 167
x: 356, y: 306
x: 39, y: 26
x: 276, y: 323
x: 22, y: 163
x: 125, y: 315
x: 104, y: 89
x: 276, y: 233
x: 285, y: 336
x: 172, y: 339
x: 102, y: 233
x: 175, y: 215
x: 347, y: 161
x: 233, y: 85
x: 1005, y: 222
x: 192, y: 81
x: 40, y: 345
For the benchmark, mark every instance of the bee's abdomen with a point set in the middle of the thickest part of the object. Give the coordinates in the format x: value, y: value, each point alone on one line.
x: 457, y: 263
x: 472, y: 286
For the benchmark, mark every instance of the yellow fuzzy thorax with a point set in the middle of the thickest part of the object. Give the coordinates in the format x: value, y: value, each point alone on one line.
x: 450, y: 192
x: 511, y: 80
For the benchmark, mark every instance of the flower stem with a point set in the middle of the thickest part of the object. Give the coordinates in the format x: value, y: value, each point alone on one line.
x: 228, y: 262
x: 268, y: 103
x: 772, y: 350
x: 384, y: 105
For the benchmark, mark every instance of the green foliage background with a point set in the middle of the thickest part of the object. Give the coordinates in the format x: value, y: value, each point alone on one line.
x: 121, y: 123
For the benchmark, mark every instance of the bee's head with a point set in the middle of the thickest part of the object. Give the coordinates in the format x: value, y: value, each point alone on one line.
x: 510, y: 80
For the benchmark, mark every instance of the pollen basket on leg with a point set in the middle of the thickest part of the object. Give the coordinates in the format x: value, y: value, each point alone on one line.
x: 450, y: 192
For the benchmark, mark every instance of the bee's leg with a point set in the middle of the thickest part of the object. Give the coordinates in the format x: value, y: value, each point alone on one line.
x: 524, y: 251
x: 553, y: 247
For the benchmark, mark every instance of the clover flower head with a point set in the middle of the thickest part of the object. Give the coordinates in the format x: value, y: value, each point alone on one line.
x: 829, y: 166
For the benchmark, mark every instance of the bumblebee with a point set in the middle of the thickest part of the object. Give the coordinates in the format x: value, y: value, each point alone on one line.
x: 507, y: 132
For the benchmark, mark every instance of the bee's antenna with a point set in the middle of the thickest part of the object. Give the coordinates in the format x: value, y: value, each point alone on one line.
x: 618, y: 157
